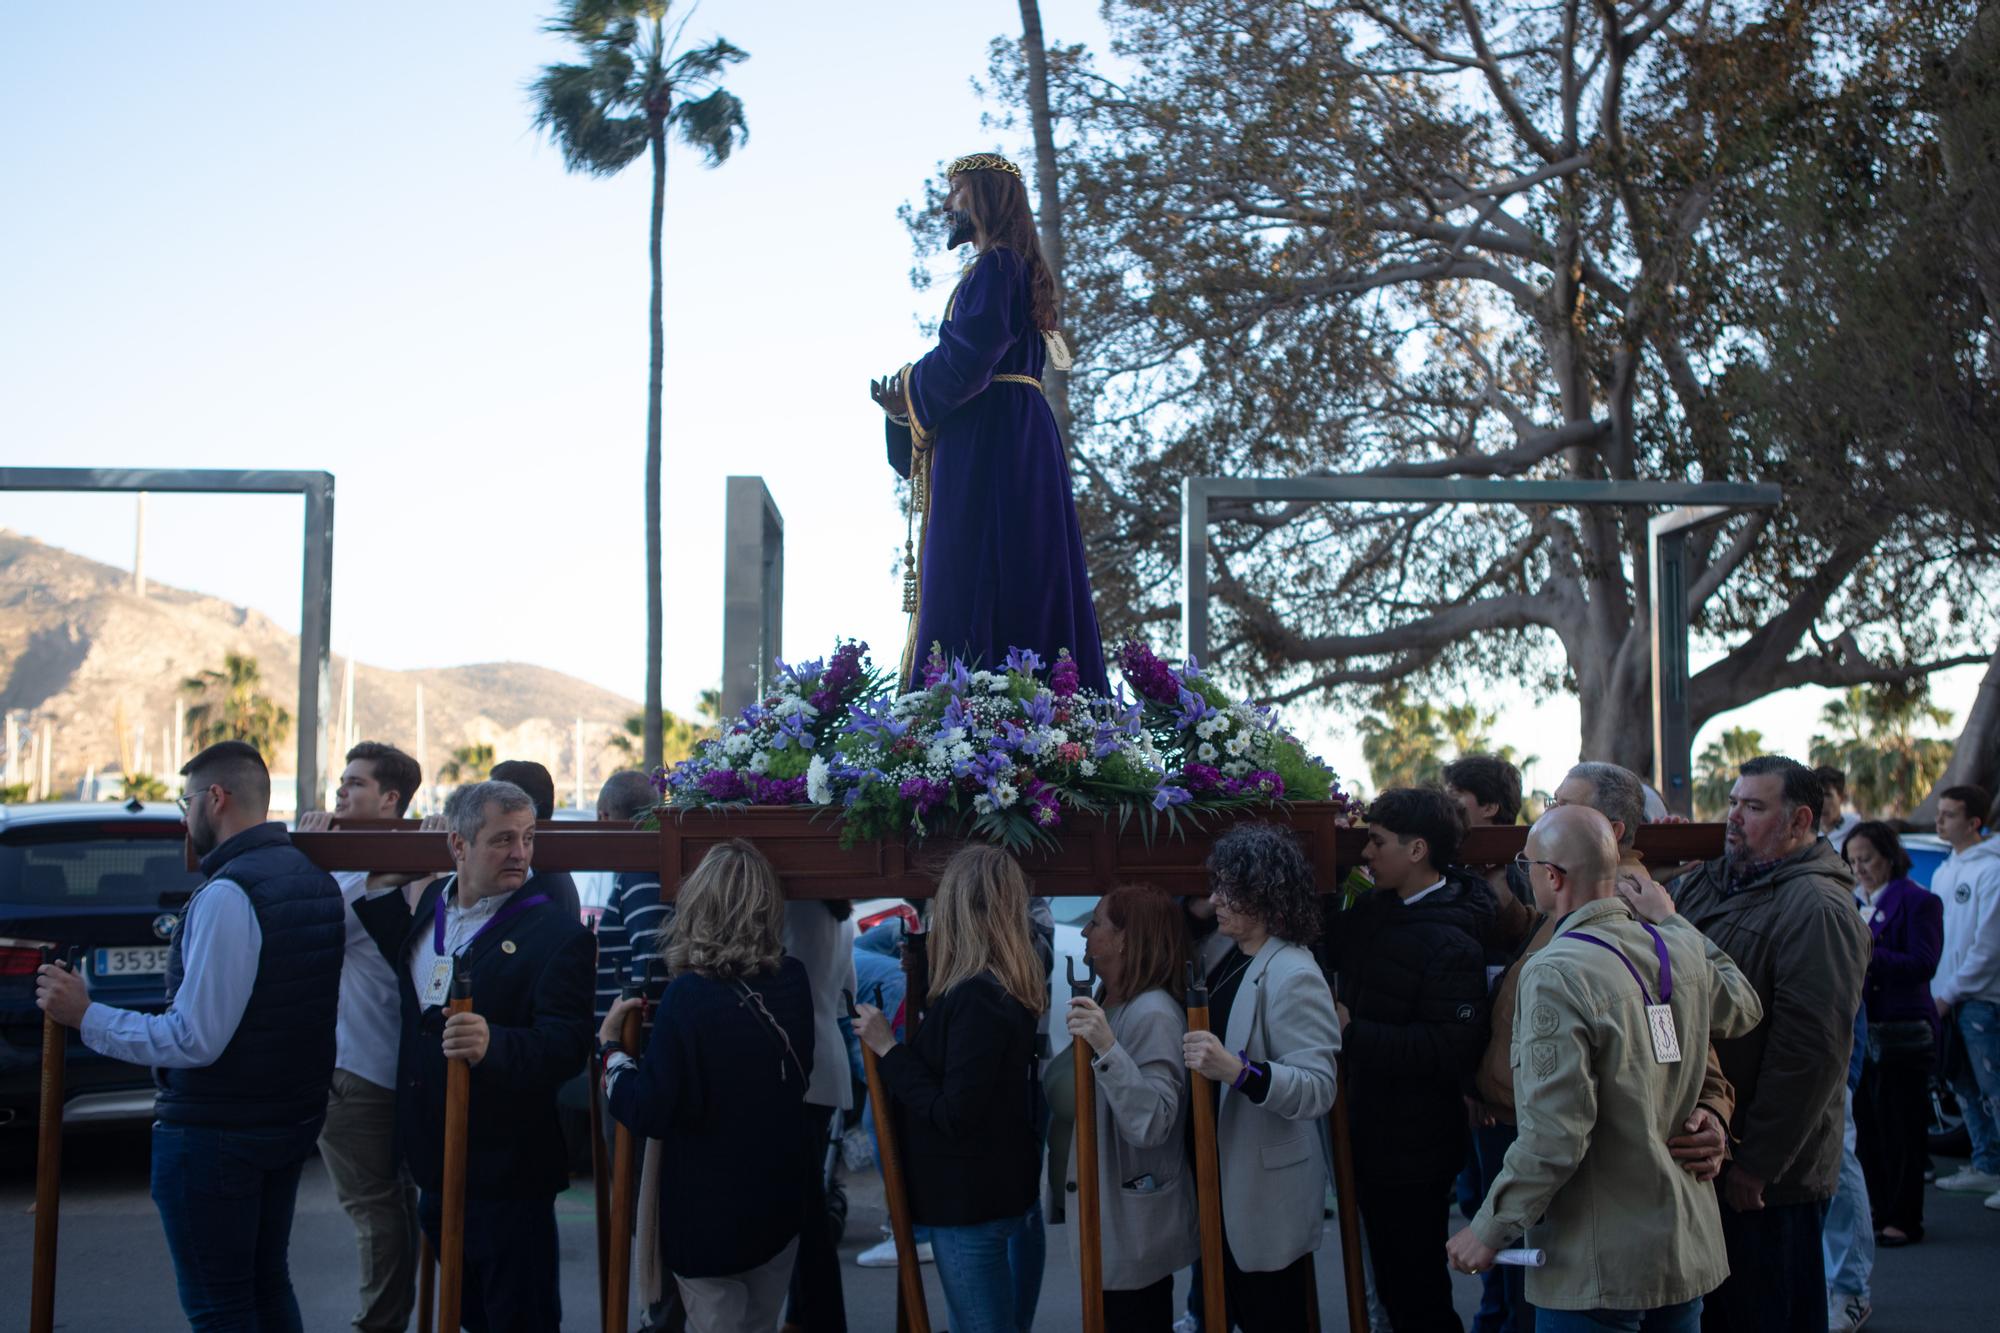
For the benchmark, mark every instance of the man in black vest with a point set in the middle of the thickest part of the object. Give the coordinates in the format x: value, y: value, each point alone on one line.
x: 244, y: 1053
x: 532, y: 966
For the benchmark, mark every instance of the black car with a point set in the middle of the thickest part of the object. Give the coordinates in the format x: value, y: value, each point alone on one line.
x: 109, y: 881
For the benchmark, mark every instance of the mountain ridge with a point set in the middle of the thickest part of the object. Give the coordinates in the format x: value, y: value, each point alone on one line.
x: 102, y: 666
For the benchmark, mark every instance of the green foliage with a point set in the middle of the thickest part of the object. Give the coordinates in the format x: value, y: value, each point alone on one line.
x: 678, y: 735
x: 468, y: 763
x: 1715, y: 769
x: 145, y: 787
x: 18, y: 793
x: 1889, y: 768
x: 229, y: 705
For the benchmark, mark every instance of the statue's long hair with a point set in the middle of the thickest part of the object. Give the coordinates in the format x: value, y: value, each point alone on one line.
x: 1001, y: 218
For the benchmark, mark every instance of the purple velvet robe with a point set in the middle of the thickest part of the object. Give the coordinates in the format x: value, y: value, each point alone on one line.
x: 1002, y: 563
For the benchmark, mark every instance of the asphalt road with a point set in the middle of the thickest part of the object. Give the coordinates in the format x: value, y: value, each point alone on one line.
x: 114, y: 1273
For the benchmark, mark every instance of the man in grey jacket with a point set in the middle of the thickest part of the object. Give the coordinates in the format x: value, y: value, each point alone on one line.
x: 1615, y: 1014
x: 1780, y: 902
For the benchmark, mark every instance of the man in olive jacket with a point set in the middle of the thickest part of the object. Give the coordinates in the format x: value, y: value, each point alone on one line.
x: 1590, y: 1178
x: 1780, y: 903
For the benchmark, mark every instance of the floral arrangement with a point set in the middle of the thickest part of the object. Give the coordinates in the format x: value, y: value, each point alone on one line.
x: 1002, y: 754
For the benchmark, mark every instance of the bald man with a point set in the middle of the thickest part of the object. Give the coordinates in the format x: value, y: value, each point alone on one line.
x: 1606, y: 1012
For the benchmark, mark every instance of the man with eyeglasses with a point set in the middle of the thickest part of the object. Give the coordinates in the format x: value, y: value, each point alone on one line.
x: 1613, y: 1014
x: 244, y: 1053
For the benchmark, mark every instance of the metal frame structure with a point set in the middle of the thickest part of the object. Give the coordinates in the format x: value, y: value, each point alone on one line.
x: 316, y: 596
x: 753, y: 591
x: 1696, y: 503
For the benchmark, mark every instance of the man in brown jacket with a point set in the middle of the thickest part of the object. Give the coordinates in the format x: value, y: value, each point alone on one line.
x: 1780, y: 903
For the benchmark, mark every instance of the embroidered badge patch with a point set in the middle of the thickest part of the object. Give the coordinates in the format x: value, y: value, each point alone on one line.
x: 1963, y: 893
x: 1542, y: 1057
x: 1544, y: 1019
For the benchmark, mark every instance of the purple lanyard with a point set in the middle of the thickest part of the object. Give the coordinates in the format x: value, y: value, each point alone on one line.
x: 1659, y: 950
x: 501, y: 917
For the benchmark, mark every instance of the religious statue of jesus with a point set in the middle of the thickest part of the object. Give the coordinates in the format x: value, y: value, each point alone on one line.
x: 999, y: 563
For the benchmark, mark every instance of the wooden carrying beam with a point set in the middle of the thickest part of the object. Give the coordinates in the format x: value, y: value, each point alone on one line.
x: 803, y: 844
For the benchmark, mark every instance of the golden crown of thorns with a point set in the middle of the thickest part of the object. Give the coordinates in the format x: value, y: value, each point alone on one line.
x: 985, y: 162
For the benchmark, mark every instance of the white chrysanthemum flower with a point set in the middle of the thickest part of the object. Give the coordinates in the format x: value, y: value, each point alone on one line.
x: 1005, y: 794
x: 981, y: 677
x: 1087, y: 767
x: 760, y: 761
x: 1236, y: 745
x: 736, y: 744
x: 998, y: 685
x: 1205, y: 752
x: 1205, y: 728
x: 962, y: 750
x: 1221, y: 721
x: 819, y: 782
x: 983, y: 804
x: 1235, y: 768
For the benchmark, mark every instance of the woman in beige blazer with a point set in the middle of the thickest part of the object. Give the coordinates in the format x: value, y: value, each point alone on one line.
x: 1137, y: 940
x: 1273, y: 1063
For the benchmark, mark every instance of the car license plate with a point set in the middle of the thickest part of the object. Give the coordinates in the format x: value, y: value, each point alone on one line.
x: 148, y: 961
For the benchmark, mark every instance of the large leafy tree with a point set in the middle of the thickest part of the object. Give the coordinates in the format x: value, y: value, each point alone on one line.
x: 229, y: 704
x: 1715, y: 769
x: 633, y: 85
x: 1489, y: 239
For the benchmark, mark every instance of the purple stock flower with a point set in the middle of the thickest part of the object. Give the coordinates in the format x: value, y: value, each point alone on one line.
x: 923, y: 793
x: 1201, y: 777
x: 935, y: 668
x: 722, y: 784
x: 775, y: 791
x: 1044, y: 806
x: 1065, y: 680
x: 1150, y: 676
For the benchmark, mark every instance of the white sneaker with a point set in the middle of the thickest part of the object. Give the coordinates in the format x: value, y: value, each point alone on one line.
x: 1846, y: 1313
x: 884, y: 1254
x: 1993, y: 1201
x: 1187, y: 1323
x: 1969, y: 1181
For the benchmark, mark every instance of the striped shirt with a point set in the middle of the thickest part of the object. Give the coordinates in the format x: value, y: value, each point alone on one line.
x: 631, y: 933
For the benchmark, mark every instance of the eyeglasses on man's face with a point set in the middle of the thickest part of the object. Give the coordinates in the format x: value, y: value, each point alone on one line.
x: 187, y: 799
x: 1526, y: 862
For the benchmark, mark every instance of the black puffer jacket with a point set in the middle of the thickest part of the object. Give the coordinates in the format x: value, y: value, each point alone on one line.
x: 1414, y: 979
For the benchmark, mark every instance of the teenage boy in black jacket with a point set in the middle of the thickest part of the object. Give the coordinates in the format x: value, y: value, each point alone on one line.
x: 533, y: 968
x: 1410, y: 980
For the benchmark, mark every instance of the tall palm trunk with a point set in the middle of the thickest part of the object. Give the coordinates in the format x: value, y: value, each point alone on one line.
x: 1049, y: 220
x: 655, y: 614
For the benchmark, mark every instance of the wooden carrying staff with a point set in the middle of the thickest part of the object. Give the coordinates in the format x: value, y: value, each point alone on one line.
x: 1347, y: 1199
x: 600, y: 1180
x: 48, y: 1161
x: 911, y: 1310
x: 451, y: 1220
x: 1089, y: 1221
x: 618, y: 1291
x: 1207, y: 1167
x: 427, y: 1276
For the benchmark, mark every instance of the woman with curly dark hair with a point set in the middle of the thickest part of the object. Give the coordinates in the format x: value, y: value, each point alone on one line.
x: 1271, y: 1056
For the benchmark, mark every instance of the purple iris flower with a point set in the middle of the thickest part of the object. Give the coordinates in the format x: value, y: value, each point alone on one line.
x: 1025, y: 661
x: 1170, y: 795
x: 1194, y: 709
x: 876, y: 720
x: 1041, y: 710
x: 792, y: 731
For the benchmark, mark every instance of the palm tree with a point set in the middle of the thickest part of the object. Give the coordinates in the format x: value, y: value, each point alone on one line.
x: 1715, y: 771
x: 1400, y: 741
x: 631, y: 86
x: 145, y: 787
x: 468, y: 763
x: 678, y: 735
x: 228, y: 705
x: 1888, y: 766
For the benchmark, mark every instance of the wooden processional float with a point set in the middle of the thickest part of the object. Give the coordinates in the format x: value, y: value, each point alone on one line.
x: 804, y: 845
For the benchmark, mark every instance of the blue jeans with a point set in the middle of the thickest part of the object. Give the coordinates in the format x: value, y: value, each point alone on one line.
x: 1848, y: 1240
x: 1977, y: 1085
x: 1682, y: 1318
x: 225, y: 1198
x: 991, y: 1272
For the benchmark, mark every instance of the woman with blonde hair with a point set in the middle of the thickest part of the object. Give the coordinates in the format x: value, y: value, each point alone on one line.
x: 723, y: 1086
x: 1137, y: 940
x: 966, y: 1096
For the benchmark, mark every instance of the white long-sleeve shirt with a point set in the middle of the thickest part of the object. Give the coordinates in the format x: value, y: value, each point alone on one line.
x: 221, y: 944
x: 1968, y: 883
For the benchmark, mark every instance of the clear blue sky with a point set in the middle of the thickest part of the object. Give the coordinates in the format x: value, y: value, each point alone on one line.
x: 326, y: 237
